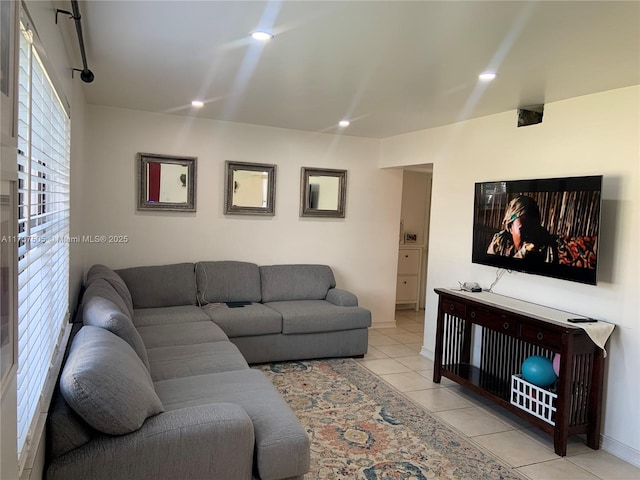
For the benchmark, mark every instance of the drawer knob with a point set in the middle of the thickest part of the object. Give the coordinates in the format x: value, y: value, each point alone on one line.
x: 473, y: 314
x: 406, y: 256
x: 452, y: 307
x: 405, y: 282
x: 539, y: 336
x: 505, y: 325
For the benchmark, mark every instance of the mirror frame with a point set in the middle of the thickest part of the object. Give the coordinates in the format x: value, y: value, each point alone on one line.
x: 230, y: 209
x: 190, y: 162
x: 305, y: 209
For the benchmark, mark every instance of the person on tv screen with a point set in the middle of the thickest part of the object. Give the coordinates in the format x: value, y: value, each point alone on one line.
x: 523, y: 236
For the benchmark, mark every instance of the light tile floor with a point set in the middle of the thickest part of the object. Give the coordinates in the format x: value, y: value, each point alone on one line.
x: 394, y: 355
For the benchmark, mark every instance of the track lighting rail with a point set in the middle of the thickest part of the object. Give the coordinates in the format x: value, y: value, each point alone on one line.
x: 86, y: 75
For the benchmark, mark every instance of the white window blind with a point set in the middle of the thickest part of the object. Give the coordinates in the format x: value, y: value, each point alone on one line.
x: 43, y: 227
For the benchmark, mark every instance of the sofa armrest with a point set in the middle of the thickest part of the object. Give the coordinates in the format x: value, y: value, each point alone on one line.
x: 206, y: 441
x: 341, y: 298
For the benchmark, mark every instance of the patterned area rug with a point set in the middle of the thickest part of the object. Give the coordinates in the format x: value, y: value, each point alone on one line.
x: 361, y: 428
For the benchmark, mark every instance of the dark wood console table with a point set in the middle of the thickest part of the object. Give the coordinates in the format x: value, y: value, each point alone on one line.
x: 484, y: 359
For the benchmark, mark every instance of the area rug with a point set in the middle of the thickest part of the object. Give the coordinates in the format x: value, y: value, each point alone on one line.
x: 362, y: 428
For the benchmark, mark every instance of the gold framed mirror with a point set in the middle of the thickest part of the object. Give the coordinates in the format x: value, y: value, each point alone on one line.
x: 323, y: 192
x: 166, y: 183
x: 250, y: 189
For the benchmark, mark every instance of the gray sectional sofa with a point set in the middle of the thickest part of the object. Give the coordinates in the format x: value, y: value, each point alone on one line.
x: 156, y: 383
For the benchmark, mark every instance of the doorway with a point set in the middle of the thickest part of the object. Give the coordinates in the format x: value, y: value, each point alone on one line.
x: 414, y: 236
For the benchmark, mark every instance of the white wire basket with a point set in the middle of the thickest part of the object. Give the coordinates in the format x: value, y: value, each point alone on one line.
x: 537, y: 401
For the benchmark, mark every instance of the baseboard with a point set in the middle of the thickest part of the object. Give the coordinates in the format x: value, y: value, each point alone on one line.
x: 620, y: 450
x: 425, y: 352
x: 384, y: 324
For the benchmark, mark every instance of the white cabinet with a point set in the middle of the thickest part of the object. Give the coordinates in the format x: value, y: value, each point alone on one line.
x: 409, y: 274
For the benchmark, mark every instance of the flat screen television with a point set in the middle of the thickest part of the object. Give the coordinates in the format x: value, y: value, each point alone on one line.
x: 545, y: 226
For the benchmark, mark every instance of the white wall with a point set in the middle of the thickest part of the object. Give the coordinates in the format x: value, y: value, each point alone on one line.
x: 361, y: 248
x: 595, y: 134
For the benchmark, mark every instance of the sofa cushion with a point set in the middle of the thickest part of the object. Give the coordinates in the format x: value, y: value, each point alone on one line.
x: 106, y: 383
x: 103, y: 289
x: 161, y: 286
x: 227, y: 281
x: 282, y: 445
x: 312, y: 316
x: 105, y: 273
x: 162, y: 316
x: 254, y: 319
x: 295, y: 282
x: 66, y: 431
x: 279, y: 347
x: 172, y: 334
x: 188, y: 360
x: 100, y: 312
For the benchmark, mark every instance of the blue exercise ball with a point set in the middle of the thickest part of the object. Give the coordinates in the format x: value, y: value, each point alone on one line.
x: 539, y: 371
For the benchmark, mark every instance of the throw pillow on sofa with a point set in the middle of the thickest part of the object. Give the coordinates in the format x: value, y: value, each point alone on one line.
x: 106, y: 383
x: 103, y: 272
x: 100, y: 312
x: 103, y: 289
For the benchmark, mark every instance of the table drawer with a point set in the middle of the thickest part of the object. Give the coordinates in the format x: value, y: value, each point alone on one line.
x: 453, y: 308
x: 499, y: 323
x: 542, y: 336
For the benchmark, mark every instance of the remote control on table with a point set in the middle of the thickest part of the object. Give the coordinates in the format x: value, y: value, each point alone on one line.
x: 581, y: 320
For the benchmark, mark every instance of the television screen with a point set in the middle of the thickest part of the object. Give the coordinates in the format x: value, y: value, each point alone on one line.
x: 545, y: 226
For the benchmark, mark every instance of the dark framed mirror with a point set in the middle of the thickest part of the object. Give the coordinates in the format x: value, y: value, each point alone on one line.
x: 166, y: 182
x: 323, y: 192
x: 250, y: 189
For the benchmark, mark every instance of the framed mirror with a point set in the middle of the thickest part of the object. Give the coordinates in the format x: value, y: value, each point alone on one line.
x: 323, y: 192
x: 166, y: 183
x: 250, y: 189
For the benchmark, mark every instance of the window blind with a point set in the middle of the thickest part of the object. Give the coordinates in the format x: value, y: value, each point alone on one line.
x: 43, y: 230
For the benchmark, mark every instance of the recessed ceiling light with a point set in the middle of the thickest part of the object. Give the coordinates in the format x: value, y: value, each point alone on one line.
x: 197, y: 104
x: 344, y: 123
x: 261, y: 36
x: 487, y: 76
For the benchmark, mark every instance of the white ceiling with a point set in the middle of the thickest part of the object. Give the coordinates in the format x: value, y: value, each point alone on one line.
x: 391, y: 67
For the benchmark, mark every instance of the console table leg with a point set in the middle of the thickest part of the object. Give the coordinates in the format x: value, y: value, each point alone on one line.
x: 595, y: 400
x: 560, y: 442
x: 593, y: 439
x: 437, y: 361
